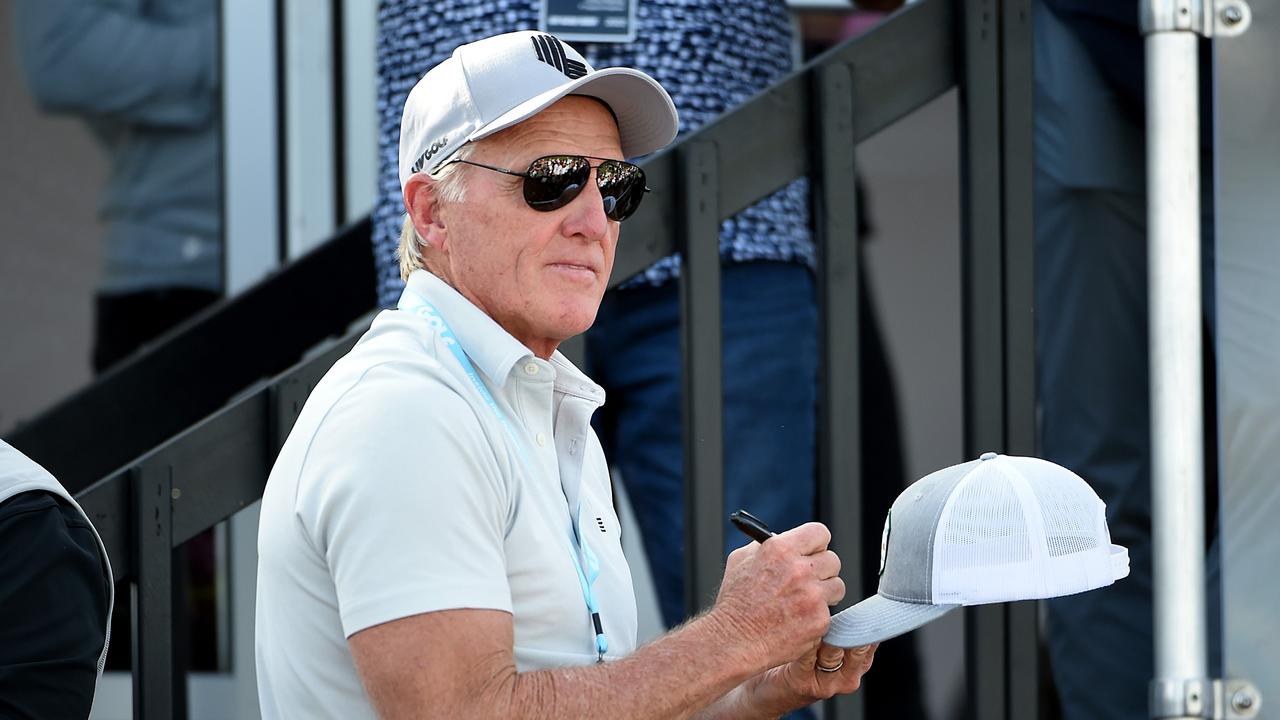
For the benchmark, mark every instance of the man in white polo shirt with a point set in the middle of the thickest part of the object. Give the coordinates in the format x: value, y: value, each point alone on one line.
x: 438, y: 536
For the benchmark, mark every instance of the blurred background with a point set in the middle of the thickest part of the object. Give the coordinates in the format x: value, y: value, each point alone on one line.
x: 272, y: 134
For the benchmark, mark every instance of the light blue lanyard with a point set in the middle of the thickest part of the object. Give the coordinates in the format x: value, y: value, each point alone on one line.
x: 411, y: 301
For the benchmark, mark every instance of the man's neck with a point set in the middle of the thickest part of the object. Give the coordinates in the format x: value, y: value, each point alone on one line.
x: 540, y: 346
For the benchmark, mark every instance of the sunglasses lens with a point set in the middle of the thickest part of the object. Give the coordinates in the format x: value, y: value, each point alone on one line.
x: 554, y: 181
x: 622, y: 187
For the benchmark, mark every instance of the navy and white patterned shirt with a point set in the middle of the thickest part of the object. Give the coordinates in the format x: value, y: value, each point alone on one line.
x: 710, y: 55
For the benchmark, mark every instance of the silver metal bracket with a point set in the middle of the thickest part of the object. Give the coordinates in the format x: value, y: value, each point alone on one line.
x: 1210, y: 18
x: 1204, y: 698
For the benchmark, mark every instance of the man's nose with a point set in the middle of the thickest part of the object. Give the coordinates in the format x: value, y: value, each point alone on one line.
x: 587, y: 212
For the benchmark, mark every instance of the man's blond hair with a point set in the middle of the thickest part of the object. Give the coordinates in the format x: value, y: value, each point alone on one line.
x: 450, y: 188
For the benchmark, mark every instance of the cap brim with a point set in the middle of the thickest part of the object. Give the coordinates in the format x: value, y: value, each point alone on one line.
x: 1119, y: 562
x: 878, y: 618
x: 647, y: 119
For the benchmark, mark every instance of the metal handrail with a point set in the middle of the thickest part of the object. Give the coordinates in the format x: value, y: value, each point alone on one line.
x: 197, y: 367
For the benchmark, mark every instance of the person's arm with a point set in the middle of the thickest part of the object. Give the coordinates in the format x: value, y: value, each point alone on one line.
x: 54, y: 598
x: 90, y: 59
x: 773, y: 607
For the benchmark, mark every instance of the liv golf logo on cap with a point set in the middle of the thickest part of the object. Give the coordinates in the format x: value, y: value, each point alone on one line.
x: 551, y: 52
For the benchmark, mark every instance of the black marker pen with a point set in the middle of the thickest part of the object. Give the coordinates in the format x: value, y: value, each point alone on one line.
x: 751, y: 526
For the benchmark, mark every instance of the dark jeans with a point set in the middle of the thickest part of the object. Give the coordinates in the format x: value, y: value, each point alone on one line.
x: 770, y: 365
x: 126, y: 322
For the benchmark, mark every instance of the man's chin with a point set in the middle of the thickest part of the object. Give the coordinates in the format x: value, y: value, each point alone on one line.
x: 576, y: 320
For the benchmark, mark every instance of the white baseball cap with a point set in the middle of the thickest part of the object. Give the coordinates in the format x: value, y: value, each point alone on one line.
x: 996, y: 529
x: 494, y: 83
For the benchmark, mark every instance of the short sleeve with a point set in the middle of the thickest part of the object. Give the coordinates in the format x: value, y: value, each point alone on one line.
x: 54, y: 598
x: 404, y: 496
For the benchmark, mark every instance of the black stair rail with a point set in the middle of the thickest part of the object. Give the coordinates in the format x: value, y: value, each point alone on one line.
x: 220, y: 464
x: 197, y: 367
x: 839, y: 441
x: 185, y: 486
x: 999, y: 328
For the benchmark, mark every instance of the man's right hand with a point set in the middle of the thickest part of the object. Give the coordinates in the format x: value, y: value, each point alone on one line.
x: 774, y: 601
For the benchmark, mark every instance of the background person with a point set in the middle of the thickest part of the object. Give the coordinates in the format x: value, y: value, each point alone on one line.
x: 144, y: 78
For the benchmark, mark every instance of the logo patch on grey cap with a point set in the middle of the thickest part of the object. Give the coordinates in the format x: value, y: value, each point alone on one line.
x: 884, y: 540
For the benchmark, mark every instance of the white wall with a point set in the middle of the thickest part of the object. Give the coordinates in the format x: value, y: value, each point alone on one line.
x: 49, y: 251
x: 1248, y: 346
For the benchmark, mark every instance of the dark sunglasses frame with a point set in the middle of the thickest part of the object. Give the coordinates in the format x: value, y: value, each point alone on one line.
x: 534, y: 183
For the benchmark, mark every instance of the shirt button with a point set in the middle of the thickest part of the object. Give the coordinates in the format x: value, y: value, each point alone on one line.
x: 531, y: 369
x: 541, y: 440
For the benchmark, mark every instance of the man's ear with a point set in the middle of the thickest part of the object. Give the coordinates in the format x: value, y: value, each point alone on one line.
x: 423, y: 206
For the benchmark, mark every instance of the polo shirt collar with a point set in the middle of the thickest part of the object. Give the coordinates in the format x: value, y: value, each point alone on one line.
x: 493, y: 350
x: 572, y: 381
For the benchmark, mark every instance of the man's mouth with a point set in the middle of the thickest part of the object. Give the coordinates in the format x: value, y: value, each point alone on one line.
x: 574, y: 268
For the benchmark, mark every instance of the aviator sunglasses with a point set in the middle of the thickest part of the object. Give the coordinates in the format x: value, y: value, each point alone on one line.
x: 553, y: 181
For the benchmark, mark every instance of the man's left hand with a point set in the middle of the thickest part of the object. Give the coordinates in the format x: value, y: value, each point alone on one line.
x: 803, y: 681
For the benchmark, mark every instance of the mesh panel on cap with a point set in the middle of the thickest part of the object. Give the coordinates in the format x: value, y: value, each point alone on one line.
x: 1073, y: 515
x: 1020, y: 528
x: 986, y: 525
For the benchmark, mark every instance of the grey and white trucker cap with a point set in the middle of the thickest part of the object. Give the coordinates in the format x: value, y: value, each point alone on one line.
x: 494, y: 83
x: 997, y: 529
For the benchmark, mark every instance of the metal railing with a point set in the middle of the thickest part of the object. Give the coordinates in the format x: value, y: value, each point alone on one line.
x: 195, y: 369
x: 806, y: 125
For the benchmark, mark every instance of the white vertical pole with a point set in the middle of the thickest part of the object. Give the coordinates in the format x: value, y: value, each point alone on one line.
x: 251, y: 178
x: 1177, y: 453
x: 360, y: 106
x: 310, y: 147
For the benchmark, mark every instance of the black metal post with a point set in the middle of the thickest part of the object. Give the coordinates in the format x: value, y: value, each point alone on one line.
x: 703, y: 396
x: 983, y: 321
x: 153, y: 673
x: 1019, y: 227
x: 338, y: 74
x: 282, y: 132
x: 835, y: 221
x: 998, y: 280
x: 1022, y: 621
x: 982, y: 288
